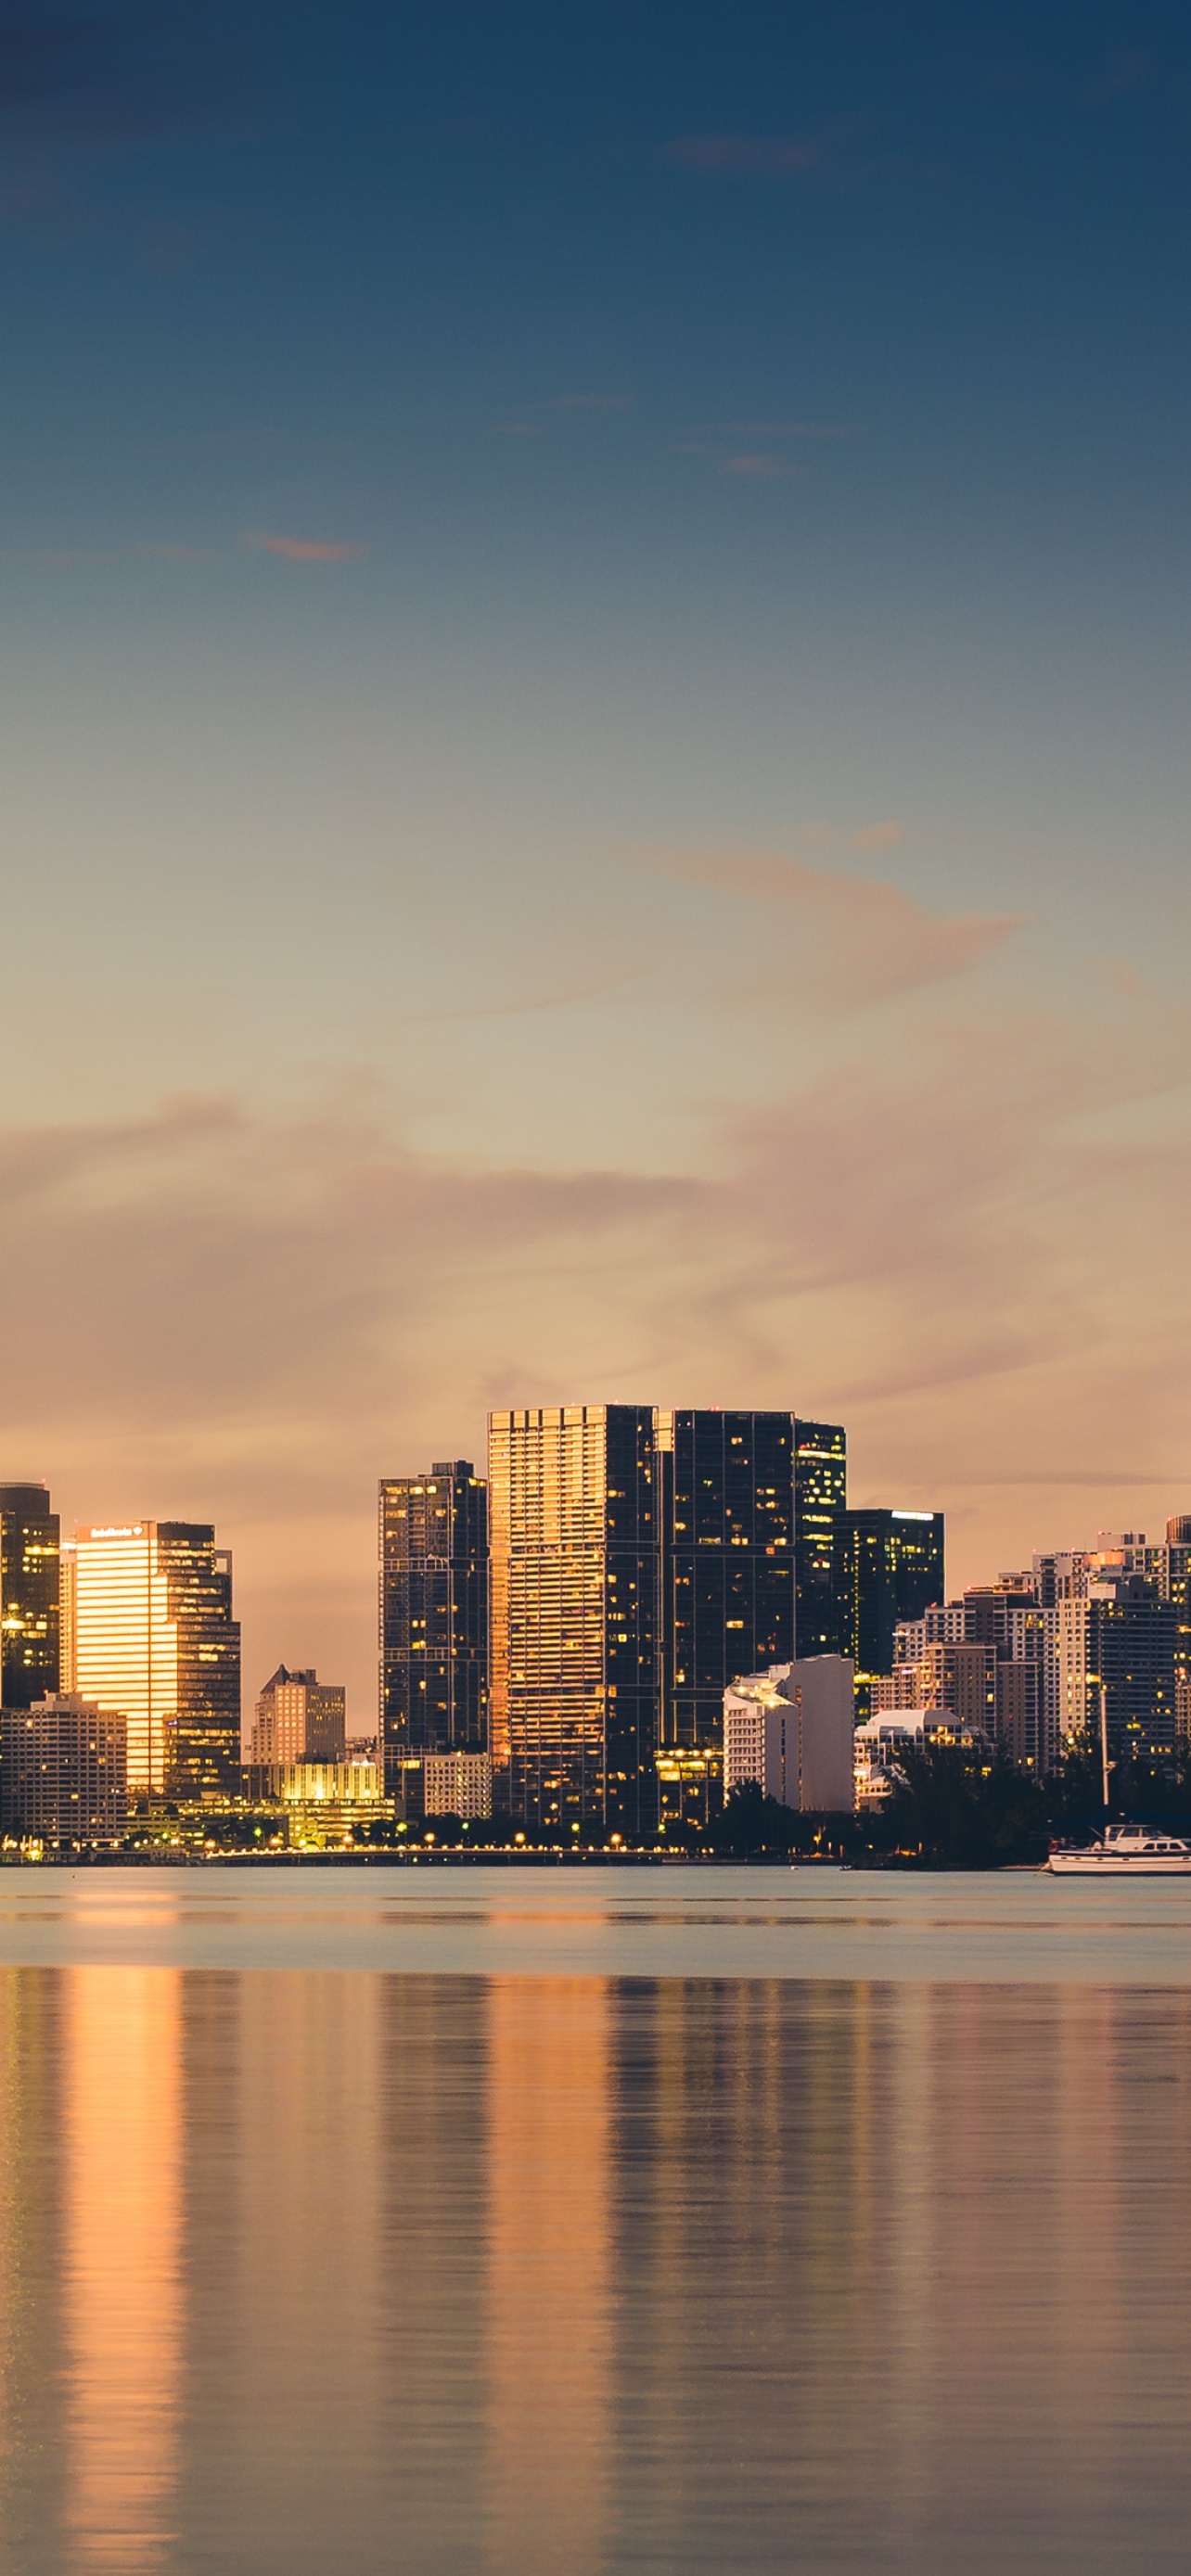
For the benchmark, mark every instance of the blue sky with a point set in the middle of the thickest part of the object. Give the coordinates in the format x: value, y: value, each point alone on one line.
x: 593, y: 646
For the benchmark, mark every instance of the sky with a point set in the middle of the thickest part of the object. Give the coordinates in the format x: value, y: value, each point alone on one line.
x: 593, y: 672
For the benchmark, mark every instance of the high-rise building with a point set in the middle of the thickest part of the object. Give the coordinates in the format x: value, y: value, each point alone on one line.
x: 29, y: 1663
x: 574, y: 1523
x: 155, y: 1638
x: 1008, y: 1617
x: 1117, y: 1640
x: 727, y: 1533
x: 820, y: 1494
x: 433, y: 1616
x: 63, y: 1771
x: 888, y: 1567
x: 299, y: 1719
x: 792, y: 1731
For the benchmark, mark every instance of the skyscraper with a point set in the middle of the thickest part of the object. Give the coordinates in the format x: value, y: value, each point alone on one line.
x: 888, y: 1566
x: 727, y: 1488
x: 433, y: 1615
x: 820, y: 1494
x: 575, y: 1644
x: 29, y: 1665
x: 155, y: 1638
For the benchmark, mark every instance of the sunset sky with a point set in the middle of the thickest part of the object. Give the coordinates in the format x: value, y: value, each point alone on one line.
x: 593, y: 614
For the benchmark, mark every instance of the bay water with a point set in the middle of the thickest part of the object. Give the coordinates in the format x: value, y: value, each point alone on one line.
x: 454, y: 2218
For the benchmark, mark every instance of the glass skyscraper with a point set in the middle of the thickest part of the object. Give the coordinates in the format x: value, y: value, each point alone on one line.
x: 433, y: 1615
x: 154, y: 1638
x: 888, y: 1566
x: 820, y: 1494
x: 29, y: 1665
x: 728, y: 1559
x: 574, y: 1509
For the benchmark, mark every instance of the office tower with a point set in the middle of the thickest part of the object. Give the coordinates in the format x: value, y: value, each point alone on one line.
x: 792, y: 1731
x: 888, y: 1566
x: 728, y: 1559
x: 1118, y: 1638
x: 299, y: 1719
x: 575, y: 1648
x: 155, y: 1638
x: 820, y: 1492
x: 29, y: 1665
x: 63, y: 1771
x: 433, y: 1616
x: 66, y: 1599
x: 457, y: 1784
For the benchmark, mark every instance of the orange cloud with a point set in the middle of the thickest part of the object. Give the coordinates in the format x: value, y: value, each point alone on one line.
x: 945, y: 1243
x: 858, y: 938
x: 302, y: 549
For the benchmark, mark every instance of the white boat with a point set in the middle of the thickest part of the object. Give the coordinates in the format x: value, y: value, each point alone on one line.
x: 1127, y: 1851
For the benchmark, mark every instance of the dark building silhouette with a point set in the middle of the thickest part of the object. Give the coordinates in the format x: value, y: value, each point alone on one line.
x: 820, y: 1495
x: 728, y: 1559
x: 29, y: 1554
x: 574, y: 1505
x: 433, y: 1616
x: 887, y: 1566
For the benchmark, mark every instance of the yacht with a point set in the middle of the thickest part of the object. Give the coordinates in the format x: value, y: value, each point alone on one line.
x: 1127, y: 1851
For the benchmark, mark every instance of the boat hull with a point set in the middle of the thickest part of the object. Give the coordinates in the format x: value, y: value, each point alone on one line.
x: 1096, y: 1864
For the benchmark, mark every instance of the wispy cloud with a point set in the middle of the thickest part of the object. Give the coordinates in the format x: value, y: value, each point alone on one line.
x: 56, y: 556
x: 530, y: 419
x: 772, y: 429
x: 946, y: 1245
x: 766, y: 468
x: 763, y: 156
x: 860, y: 939
x: 302, y: 549
x: 1126, y: 68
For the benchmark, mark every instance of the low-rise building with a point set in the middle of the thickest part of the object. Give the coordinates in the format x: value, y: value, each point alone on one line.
x: 63, y: 1772
x: 457, y: 1784
x: 329, y: 1802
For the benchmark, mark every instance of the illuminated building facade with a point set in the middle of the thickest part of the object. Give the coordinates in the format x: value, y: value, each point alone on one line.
x: 820, y: 1494
x: 575, y: 1565
x: 299, y: 1719
x: 29, y: 1656
x: 433, y: 1617
x: 728, y: 1559
x: 888, y: 1567
x: 155, y: 1638
x: 63, y: 1772
x: 1119, y: 1639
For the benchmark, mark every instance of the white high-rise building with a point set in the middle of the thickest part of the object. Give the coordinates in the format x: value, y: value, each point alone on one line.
x: 792, y: 1730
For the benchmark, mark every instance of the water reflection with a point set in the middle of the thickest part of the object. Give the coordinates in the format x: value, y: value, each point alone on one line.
x: 122, y: 2314
x: 307, y: 2270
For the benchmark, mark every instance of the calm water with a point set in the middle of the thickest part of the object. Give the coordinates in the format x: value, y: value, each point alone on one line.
x: 521, y: 2221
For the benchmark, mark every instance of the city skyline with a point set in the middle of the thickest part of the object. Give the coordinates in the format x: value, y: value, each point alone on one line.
x: 270, y: 1637
x: 603, y: 811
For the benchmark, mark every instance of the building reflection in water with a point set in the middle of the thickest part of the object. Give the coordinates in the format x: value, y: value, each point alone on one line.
x: 550, y: 2353
x: 121, y: 2291
x: 316, y: 2270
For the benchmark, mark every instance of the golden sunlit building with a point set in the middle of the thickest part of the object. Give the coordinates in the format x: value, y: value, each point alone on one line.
x: 573, y: 1516
x: 154, y: 1637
